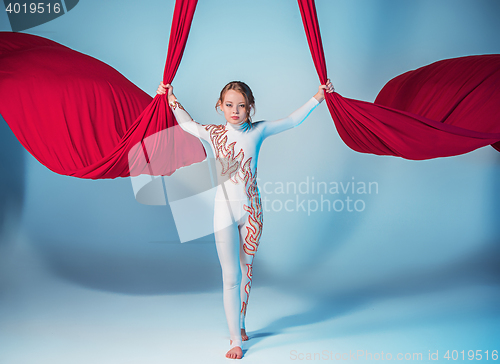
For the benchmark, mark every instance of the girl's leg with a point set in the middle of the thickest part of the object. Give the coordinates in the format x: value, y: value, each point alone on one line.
x: 227, y: 242
x: 246, y: 263
x: 250, y: 232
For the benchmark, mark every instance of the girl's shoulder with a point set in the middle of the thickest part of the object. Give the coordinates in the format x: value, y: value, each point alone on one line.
x: 259, y: 124
x: 212, y: 126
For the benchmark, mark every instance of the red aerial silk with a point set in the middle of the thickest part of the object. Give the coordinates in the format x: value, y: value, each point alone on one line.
x: 447, y: 108
x: 82, y: 118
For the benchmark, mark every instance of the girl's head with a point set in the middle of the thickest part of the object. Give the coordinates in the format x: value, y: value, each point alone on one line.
x: 236, y: 102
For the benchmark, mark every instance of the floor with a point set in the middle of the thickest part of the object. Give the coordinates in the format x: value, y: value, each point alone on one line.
x: 44, y: 319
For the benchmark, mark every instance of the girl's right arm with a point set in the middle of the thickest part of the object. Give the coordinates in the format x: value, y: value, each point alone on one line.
x: 183, y: 118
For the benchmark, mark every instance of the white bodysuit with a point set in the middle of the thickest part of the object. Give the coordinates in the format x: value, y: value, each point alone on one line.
x: 236, y: 148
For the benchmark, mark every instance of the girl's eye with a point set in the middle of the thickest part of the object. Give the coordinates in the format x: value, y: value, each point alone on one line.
x: 228, y: 105
x: 242, y: 105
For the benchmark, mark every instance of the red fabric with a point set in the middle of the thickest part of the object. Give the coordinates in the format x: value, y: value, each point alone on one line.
x: 447, y: 108
x: 82, y: 118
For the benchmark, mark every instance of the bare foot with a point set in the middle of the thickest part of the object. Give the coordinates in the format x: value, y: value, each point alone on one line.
x: 244, y: 335
x: 234, y: 353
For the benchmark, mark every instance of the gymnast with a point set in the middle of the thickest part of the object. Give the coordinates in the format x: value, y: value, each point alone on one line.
x: 238, y: 210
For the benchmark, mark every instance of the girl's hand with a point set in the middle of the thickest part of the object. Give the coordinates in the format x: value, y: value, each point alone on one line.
x: 162, y: 89
x: 320, y: 96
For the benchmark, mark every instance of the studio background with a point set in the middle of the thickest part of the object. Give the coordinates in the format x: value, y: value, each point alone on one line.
x: 88, y: 273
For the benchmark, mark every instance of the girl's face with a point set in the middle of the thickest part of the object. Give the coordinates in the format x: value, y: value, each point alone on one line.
x: 233, y: 107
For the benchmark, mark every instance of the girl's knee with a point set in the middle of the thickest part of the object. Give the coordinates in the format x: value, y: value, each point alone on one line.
x: 230, y: 281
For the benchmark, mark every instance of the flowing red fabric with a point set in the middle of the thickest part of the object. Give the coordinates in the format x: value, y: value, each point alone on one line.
x: 80, y: 117
x: 447, y: 108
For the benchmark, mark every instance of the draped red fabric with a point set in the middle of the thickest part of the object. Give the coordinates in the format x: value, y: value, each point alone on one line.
x: 82, y: 118
x: 446, y: 108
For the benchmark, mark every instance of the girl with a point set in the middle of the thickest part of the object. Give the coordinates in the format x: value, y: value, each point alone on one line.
x: 238, y: 210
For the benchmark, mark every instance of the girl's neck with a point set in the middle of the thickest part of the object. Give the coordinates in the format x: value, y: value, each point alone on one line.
x: 244, y: 126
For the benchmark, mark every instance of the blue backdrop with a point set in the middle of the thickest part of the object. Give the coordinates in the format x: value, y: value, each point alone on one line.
x: 424, y: 227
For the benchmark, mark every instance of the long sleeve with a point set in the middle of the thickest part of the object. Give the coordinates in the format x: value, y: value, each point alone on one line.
x: 291, y: 121
x: 188, y: 124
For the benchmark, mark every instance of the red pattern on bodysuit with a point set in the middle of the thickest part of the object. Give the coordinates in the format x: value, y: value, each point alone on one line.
x: 233, y: 166
x: 247, y: 289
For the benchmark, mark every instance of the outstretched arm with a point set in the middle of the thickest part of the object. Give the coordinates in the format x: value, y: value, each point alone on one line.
x: 298, y: 116
x: 183, y: 118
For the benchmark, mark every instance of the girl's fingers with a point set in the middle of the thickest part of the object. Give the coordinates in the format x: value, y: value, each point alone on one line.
x: 163, y: 88
x: 329, y: 86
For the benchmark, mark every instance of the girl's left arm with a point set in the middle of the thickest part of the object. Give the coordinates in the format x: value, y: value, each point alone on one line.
x: 294, y: 119
x: 298, y: 116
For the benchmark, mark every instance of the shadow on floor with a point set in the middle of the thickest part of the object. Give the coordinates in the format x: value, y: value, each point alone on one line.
x: 482, y: 268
